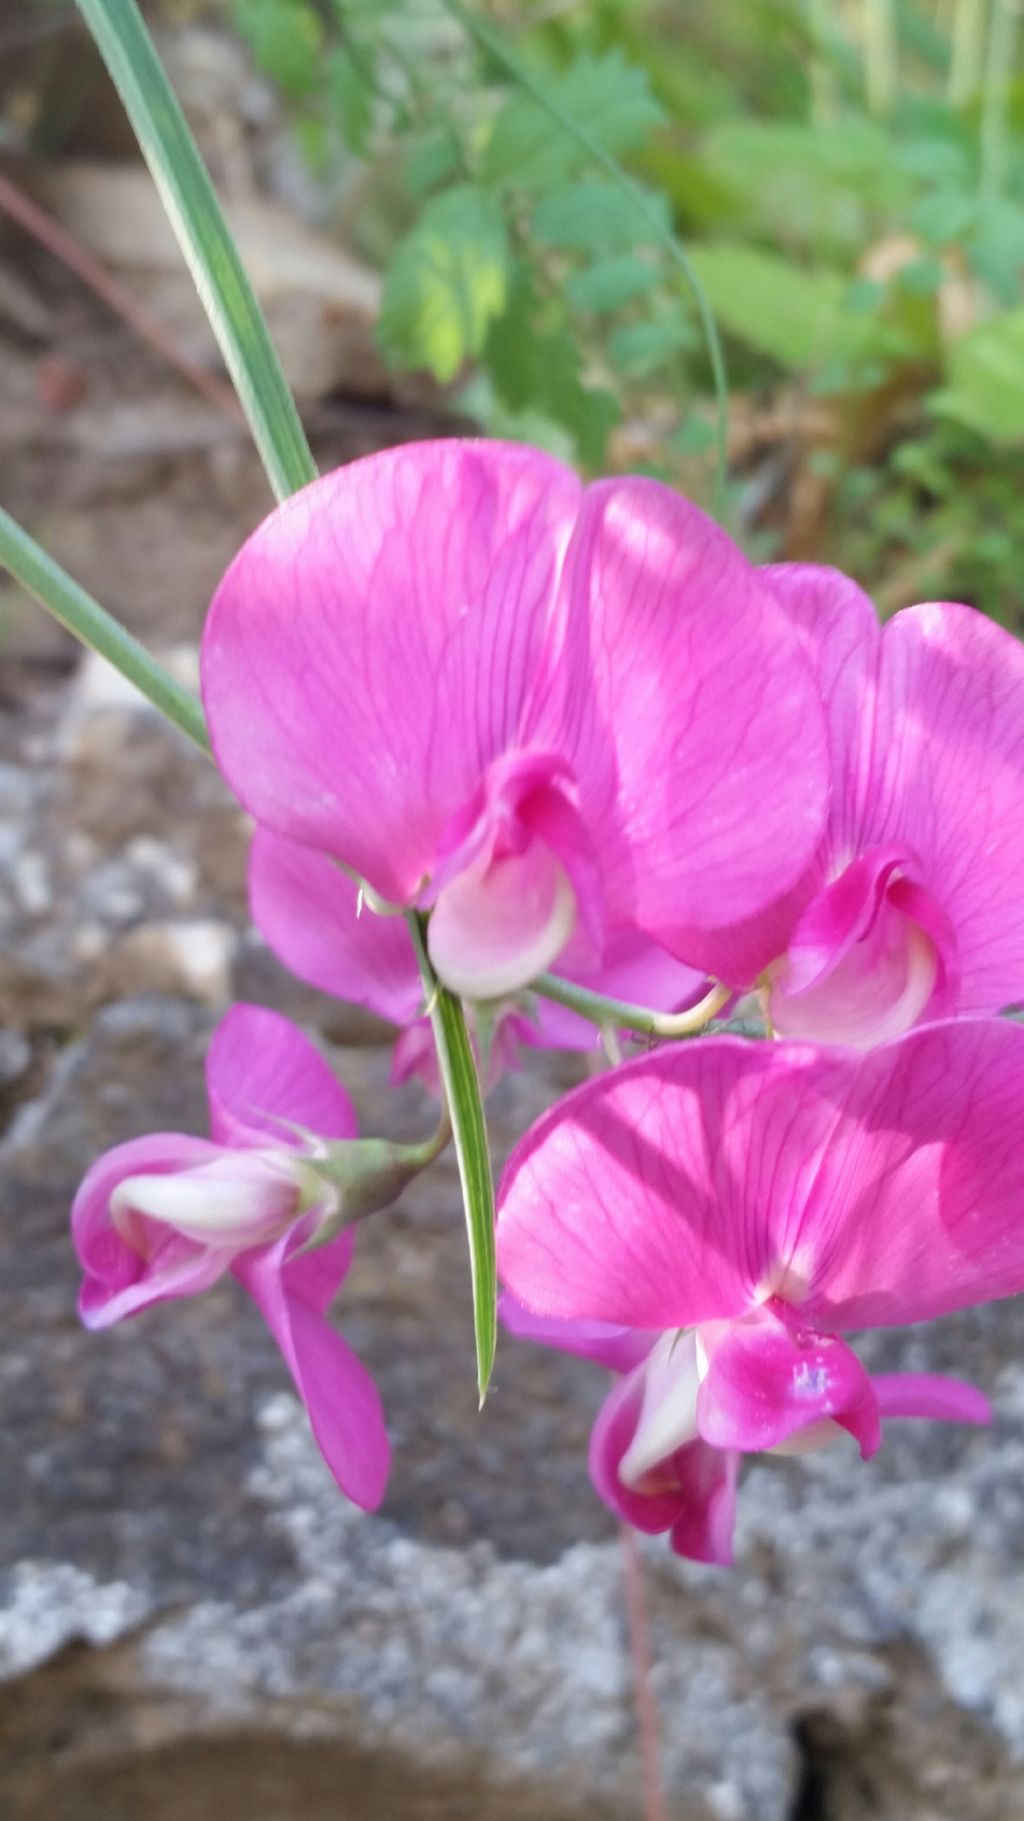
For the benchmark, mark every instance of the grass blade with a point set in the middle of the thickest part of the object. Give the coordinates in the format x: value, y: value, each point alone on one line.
x: 41, y: 577
x: 469, y: 1129
x: 195, y: 215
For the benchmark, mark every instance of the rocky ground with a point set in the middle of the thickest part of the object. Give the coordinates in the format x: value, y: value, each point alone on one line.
x: 193, y: 1624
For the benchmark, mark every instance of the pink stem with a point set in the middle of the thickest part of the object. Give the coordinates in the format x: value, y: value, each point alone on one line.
x: 647, y: 1720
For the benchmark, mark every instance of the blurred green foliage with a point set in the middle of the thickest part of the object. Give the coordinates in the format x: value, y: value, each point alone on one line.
x: 848, y: 179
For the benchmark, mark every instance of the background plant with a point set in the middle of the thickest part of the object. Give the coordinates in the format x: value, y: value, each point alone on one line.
x: 847, y: 179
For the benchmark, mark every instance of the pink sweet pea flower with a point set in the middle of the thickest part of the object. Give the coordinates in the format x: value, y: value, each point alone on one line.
x: 720, y: 1215
x: 166, y: 1216
x: 911, y: 910
x: 309, y: 912
x: 491, y: 693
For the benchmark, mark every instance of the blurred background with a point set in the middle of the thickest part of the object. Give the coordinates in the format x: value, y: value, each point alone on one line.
x: 192, y: 1624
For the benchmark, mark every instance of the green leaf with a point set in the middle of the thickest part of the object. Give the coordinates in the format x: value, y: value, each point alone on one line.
x: 820, y: 186
x: 536, y: 367
x: 797, y: 318
x: 48, y: 583
x: 640, y: 348
x: 195, y: 215
x: 610, y: 283
x: 986, y: 380
x: 695, y: 437
x: 944, y: 216
x: 469, y: 1129
x: 608, y: 97
x: 350, y: 96
x: 286, y: 39
x: 447, y: 281
x: 593, y: 217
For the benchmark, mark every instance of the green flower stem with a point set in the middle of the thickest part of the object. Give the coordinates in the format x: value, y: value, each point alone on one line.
x: 461, y: 1084
x: 495, y: 48
x: 621, y: 1016
x: 55, y: 590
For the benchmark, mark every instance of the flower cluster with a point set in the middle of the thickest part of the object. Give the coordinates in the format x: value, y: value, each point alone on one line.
x: 571, y: 729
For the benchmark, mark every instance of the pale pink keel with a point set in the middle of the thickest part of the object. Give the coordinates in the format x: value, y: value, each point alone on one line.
x: 912, y: 908
x: 511, y: 701
x: 311, y: 914
x: 731, y: 1210
x: 164, y: 1217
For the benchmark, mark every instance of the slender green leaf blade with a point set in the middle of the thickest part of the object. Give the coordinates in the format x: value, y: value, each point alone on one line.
x: 609, y: 97
x: 469, y: 1130
x: 195, y: 215
x: 41, y: 577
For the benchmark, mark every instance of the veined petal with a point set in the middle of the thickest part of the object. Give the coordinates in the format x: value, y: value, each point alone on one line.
x: 672, y: 1190
x: 620, y: 1349
x: 340, y: 1396
x: 717, y: 721
x: 308, y: 910
x: 919, y: 1212
x: 838, y: 628
x: 263, y: 1077
x: 927, y: 1395
x: 766, y: 1382
x: 949, y: 777
x: 383, y: 637
x: 702, y: 1182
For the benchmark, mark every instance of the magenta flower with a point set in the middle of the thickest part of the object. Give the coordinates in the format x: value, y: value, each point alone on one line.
x: 546, y: 713
x: 720, y: 1216
x: 308, y: 910
x: 911, y: 910
x: 167, y: 1216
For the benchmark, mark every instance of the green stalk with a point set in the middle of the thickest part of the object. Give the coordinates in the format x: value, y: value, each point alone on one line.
x: 495, y: 48
x: 965, y: 57
x: 995, y: 106
x: 55, y: 590
x: 620, y: 1015
x: 880, y: 55
x: 195, y: 215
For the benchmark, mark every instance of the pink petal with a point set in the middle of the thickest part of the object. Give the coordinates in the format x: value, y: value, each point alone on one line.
x: 620, y: 1349
x: 767, y: 1382
x: 119, y: 1280
x: 838, y: 628
x: 308, y: 911
x: 949, y: 776
x: 696, y: 1494
x: 697, y: 1183
x: 925, y: 1394
x: 340, y: 1396
x: 920, y: 1210
x: 666, y: 1193
x: 717, y: 722
x: 382, y: 638
x: 263, y: 1077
